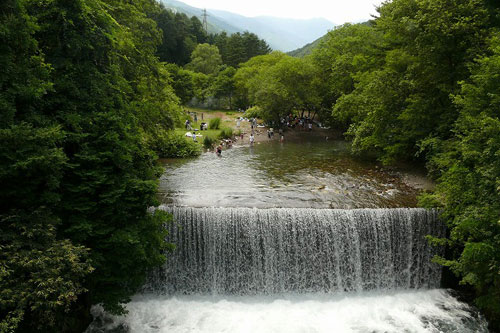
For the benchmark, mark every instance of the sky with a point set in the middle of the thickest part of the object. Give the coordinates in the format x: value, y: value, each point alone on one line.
x: 337, y: 11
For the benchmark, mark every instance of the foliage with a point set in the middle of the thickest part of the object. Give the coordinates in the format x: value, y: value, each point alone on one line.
x: 253, y: 112
x: 208, y: 142
x: 405, y: 98
x: 171, y: 145
x: 201, y: 84
x: 344, y: 56
x: 239, y: 47
x: 82, y: 95
x: 56, y: 269
x: 226, y: 133
x: 205, y: 59
x: 279, y: 85
x: 469, y: 183
x: 180, y: 35
x: 105, y: 103
x: 182, y: 82
x: 40, y: 274
x: 223, y: 86
x: 214, y: 123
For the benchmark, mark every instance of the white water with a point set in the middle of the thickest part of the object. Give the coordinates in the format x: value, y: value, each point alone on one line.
x: 246, y: 251
x: 297, y: 270
x: 391, y: 312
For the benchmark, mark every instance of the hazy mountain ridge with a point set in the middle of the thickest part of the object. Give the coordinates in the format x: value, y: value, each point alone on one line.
x: 215, y: 24
x: 281, y: 34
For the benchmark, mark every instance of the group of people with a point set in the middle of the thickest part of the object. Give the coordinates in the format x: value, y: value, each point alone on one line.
x: 289, y: 121
x: 295, y: 121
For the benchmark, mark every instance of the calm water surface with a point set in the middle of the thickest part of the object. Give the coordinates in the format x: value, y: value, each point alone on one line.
x: 312, y: 173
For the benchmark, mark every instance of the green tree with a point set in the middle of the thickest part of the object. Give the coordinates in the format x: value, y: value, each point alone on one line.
x: 180, y: 34
x: 201, y: 85
x: 205, y: 59
x: 102, y: 67
x: 341, y: 59
x: 279, y: 85
x: 41, y: 275
x: 223, y: 85
x: 182, y: 82
x: 429, y: 46
x: 239, y: 47
x: 469, y: 184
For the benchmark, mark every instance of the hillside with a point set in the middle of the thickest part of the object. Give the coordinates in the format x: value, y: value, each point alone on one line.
x: 306, y: 49
x: 215, y: 24
x: 280, y: 33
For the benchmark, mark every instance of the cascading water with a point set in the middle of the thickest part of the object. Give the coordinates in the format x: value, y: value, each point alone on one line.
x: 270, y: 251
x: 297, y: 270
x: 287, y: 262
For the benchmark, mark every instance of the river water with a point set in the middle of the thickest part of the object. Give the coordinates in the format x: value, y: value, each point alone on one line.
x: 342, y: 253
x: 312, y: 173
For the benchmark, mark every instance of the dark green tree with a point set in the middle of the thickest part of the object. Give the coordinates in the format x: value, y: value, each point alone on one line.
x: 224, y: 86
x: 469, y: 184
x: 41, y: 275
x: 111, y: 174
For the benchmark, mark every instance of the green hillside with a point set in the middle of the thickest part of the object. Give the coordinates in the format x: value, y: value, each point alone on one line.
x: 307, y: 49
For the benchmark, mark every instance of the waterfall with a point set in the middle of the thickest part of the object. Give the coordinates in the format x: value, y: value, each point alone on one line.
x: 245, y: 251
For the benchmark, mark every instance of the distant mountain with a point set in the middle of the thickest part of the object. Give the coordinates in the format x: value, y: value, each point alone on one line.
x: 280, y: 33
x: 306, y: 49
x: 215, y: 24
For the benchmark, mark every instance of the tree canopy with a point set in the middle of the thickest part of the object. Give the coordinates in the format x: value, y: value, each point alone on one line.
x: 82, y: 98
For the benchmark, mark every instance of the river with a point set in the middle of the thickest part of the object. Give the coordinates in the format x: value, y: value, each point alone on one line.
x: 294, y: 237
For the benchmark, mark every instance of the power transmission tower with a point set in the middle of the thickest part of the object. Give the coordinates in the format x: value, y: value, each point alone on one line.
x: 205, y: 23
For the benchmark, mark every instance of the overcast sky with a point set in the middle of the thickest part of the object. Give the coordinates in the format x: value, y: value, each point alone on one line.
x: 337, y: 11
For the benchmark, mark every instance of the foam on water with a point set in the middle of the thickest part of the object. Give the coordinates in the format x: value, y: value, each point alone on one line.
x: 297, y: 270
x: 392, y: 312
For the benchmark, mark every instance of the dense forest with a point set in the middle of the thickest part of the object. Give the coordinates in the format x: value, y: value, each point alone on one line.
x: 91, y: 88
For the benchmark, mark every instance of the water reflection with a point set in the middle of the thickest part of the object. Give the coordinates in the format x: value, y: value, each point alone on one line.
x: 312, y: 173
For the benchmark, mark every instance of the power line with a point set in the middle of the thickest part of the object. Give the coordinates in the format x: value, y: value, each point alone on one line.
x: 205, y: 22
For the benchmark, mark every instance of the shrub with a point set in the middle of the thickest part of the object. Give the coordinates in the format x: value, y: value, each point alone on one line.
x: 253, y: 112
x: 214, y: 123
x: 176, y: 146
x: 208, y: 142
x: 226, y: 133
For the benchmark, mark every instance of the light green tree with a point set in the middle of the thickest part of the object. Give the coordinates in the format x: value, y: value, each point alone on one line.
x: 205, y: 59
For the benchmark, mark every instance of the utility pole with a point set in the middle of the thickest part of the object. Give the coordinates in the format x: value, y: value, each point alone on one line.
x: 205, y: 23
